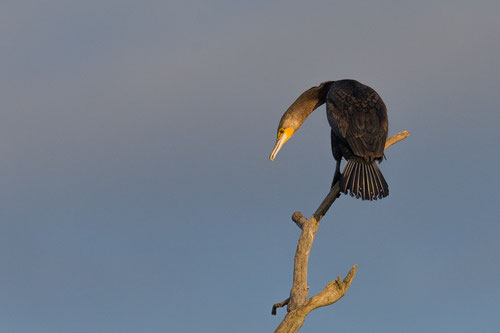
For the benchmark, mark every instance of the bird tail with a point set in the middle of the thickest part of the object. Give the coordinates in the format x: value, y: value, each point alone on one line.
x: 363, y: 180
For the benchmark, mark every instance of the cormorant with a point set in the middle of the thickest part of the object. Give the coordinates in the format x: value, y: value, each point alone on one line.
x: 358, y: 118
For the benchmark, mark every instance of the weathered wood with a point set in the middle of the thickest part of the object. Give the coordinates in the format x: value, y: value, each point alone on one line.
x: 327, y: 202
x: 396, y: 138
x: 279, y: 305
x: 299, y: 292
x: 333, y: 291
x: 298, y: 304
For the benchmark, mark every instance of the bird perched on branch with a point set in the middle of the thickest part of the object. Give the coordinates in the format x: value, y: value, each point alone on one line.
x: 358, y: 118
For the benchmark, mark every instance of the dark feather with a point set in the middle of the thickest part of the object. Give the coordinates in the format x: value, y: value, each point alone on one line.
x: 363, y: 180
x: 358, y: 118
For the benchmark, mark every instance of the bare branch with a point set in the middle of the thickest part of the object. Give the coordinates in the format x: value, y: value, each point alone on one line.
x: 298, y: 304
x: 327, y: 202
x: 396, y: 138
x: 333, y: 291
x: 279, y: 305
x: 299, y: 291
x: 299, y: 219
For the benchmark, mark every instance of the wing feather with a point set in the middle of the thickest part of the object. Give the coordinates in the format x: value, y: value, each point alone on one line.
x: 360, y: 117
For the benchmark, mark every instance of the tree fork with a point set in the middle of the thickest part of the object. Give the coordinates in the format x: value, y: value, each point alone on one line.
x: 298, y: 306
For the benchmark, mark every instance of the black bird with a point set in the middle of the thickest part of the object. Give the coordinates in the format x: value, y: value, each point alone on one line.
x: 358, y: 118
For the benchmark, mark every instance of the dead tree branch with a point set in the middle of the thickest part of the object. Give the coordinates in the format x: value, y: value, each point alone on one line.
x: 298, y: 304
x: 279, y: 305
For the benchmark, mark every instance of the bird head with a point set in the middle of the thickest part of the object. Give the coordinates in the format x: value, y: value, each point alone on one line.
x: 297, y: 113
x: 286, y: 129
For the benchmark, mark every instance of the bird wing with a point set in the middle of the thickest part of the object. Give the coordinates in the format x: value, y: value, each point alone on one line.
x: 362, y: 121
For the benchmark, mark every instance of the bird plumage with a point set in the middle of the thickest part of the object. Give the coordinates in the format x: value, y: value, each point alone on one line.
x: 358, y: 120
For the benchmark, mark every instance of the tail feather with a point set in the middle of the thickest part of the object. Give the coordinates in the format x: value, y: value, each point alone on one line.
x: 346, y: 176
x: 381, y: 181
x: 369, y: 185
x: 373, y: 183
x: 355, y: 181
x: 363, y: 180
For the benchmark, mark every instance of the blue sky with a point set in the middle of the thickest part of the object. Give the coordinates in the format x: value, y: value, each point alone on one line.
x: 136, y: 192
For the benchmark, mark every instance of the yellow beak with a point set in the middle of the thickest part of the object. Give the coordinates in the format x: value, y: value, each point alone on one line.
x: 287, y: 134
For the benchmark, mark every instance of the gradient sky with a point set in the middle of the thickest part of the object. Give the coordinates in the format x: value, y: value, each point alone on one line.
x: 136, y: 194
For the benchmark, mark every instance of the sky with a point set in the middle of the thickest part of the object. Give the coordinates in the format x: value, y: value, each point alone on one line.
x: 136, y: 193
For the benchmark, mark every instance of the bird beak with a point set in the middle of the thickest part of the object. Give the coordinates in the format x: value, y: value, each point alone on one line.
x: 287, y: 134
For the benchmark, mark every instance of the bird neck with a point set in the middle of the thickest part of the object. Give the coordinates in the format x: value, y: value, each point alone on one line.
x: 305, y: 104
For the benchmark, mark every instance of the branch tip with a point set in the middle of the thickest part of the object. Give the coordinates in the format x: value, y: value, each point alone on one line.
x: 396, y: 138
x: 279, y: 305
x: 350, y: 276
x: 299, y: 219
